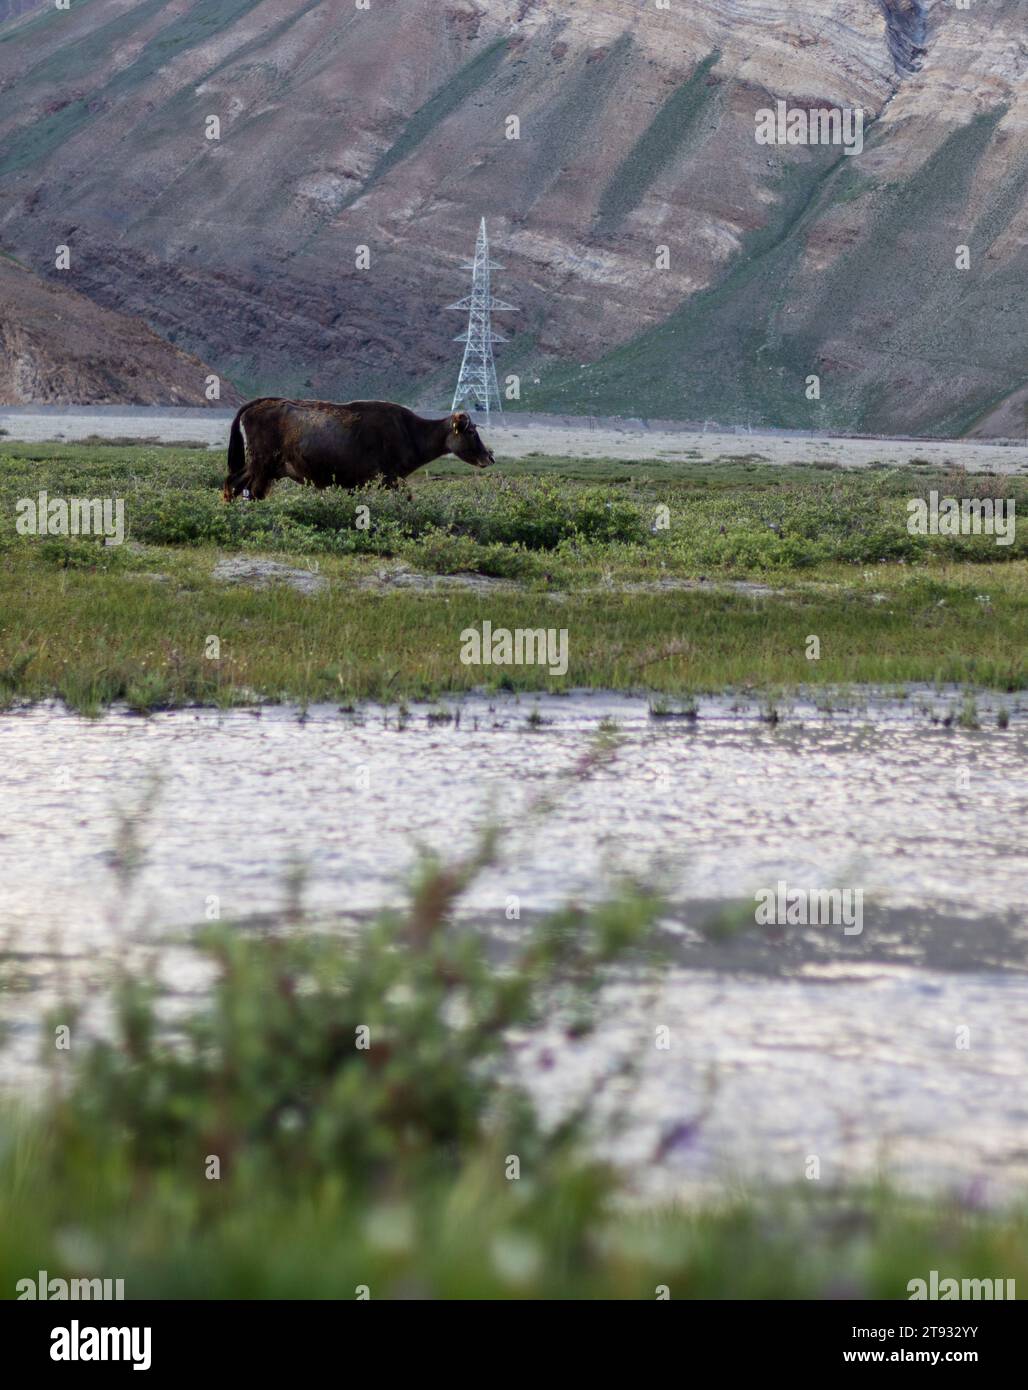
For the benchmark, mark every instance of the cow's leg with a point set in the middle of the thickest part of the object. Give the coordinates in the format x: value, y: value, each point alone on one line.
x: 263, y: 476
x: 235, y: 481
x: 235, y: 486
x: 239, y: 482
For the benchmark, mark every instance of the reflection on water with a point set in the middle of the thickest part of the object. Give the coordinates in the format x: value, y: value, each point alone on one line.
x: 780, y: 1050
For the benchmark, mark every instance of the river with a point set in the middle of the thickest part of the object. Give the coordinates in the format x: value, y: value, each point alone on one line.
x: 899, y: 1047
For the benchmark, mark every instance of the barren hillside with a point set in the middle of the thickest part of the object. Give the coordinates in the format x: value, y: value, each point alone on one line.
x: 387, y: 128
x: 59, y: 348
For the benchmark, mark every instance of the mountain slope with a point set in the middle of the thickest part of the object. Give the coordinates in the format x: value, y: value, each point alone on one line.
x: 59, y: 348
x: 387, y: 128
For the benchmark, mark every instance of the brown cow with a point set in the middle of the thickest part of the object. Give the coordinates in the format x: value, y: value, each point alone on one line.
x: 348, y: 445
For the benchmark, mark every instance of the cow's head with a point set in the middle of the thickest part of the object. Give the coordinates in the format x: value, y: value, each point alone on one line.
x: 464, y: 440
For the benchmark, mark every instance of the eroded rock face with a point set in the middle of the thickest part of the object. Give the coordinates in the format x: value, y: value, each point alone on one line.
x: 387, y: 129
x: 57, y: 347
x: 907, y: 29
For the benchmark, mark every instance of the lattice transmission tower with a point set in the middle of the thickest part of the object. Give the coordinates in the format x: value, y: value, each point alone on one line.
x: 477, y: 380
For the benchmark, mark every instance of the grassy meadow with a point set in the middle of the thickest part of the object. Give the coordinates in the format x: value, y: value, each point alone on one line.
x: 670, y: 577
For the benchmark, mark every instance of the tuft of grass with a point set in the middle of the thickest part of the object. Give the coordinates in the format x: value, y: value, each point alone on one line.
x: 662, y: 709
x: 968, y: 718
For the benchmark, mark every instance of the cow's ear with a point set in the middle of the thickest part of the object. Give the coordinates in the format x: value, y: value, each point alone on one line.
x: 461, y: 421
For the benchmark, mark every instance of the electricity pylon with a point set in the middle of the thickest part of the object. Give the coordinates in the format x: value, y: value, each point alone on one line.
x: 477, y: 380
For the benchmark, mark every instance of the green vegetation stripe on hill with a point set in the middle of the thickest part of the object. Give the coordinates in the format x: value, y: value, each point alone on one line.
x: 664, y: 139
x: 575, y: 119
x: 196, y: 26
x: 731, y: 352
x: 708, y: 358
x: 455, y: 90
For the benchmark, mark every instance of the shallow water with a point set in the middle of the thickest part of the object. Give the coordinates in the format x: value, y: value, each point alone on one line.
x: 785, y: 1043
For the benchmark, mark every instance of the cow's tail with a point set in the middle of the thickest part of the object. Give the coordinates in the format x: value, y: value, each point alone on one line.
x: 236, y: 454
